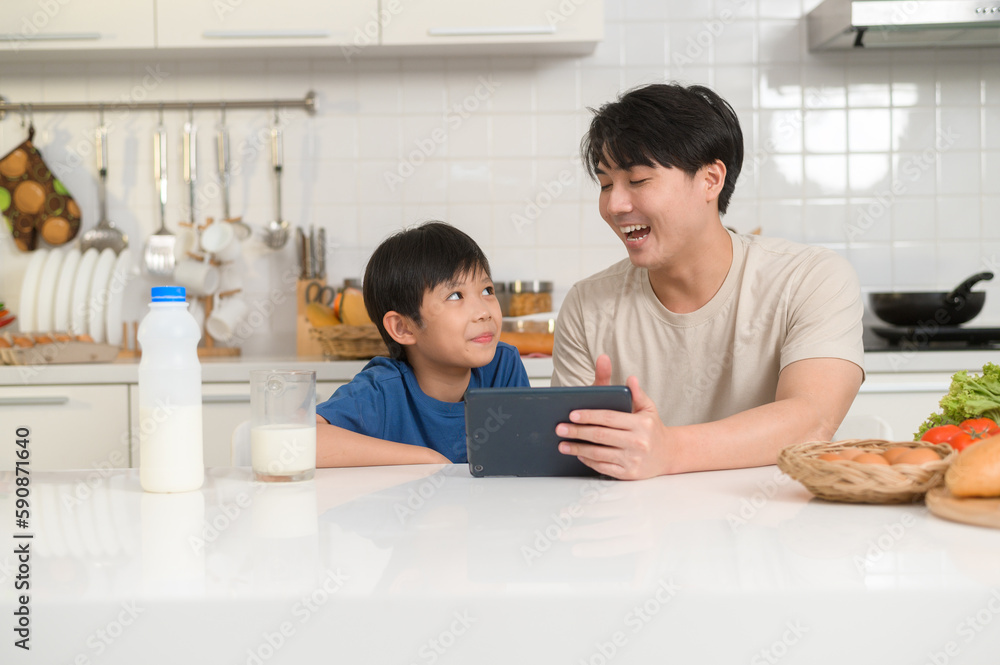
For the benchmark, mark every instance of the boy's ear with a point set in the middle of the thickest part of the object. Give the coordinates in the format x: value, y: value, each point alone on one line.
x: 400, y: 328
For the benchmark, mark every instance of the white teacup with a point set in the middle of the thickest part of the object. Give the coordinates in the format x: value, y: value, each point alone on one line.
x: 227, y: 316
x: 187, y: 241
x: 219, y: 238
x: 198, y: 277
x: 231, y: 278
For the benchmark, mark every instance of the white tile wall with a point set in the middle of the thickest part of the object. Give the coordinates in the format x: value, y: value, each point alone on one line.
x: 892, y: 159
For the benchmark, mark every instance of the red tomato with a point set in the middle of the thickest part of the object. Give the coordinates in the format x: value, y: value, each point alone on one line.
x: 980, y: 428
x: 961, y: 441
x: 941, y: 433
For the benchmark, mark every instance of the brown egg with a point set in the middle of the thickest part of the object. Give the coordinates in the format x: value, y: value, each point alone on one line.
x: 871, y: 458
x: 851, y: 453
x: 830, y: 457
x: 918, y: 456
x: 893, y: 453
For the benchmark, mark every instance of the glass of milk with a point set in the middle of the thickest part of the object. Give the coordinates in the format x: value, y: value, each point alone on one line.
x: 283, y: 425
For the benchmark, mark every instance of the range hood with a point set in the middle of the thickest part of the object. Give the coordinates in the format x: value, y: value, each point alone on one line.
x: 847, y: 24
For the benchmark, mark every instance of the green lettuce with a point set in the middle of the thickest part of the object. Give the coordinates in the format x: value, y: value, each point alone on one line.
x: 969, y: 396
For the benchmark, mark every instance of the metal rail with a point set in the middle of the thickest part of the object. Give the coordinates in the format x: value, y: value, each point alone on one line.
x: 308, y: 103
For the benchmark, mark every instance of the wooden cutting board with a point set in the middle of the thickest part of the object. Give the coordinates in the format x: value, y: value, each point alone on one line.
x: 981, y: 512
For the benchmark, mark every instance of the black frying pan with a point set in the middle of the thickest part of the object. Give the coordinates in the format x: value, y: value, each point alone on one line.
x: 949, y: 308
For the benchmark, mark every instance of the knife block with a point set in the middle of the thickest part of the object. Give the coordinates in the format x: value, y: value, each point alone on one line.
x: 305, y: 344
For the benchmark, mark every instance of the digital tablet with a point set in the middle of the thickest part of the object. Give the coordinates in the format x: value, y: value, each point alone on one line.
x: 512, y: 431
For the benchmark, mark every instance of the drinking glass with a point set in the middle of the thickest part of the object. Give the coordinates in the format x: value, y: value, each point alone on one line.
x: 283, y: 425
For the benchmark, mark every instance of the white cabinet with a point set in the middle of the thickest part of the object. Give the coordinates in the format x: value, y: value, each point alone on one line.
x: 33, y: 25
x: 243, y: 23
x: 70, y: 427
x: 450, y: 22
x: 901, y: 401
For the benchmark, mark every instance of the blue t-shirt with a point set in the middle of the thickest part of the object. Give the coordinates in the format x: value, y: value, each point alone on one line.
x: 384, y: 401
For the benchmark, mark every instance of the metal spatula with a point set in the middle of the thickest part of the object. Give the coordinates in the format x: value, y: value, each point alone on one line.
x: 159, y: 253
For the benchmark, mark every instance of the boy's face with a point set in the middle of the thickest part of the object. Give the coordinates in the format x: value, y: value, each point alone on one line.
x: 461, y: 324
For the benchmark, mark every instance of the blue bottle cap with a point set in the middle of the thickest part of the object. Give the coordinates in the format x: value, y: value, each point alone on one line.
x: 169, y: 294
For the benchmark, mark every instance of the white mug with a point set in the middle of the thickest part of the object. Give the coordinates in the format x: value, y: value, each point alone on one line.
x: 226, y: 318
x: 219, y: 238
x: 230, y: 278
x: 198, y: 277
x: 187, y: 241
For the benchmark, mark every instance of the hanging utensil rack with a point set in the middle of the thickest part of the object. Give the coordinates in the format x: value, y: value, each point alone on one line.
x: 308, y: 103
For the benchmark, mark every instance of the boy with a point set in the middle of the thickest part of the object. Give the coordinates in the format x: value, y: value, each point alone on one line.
x: 429, y: 292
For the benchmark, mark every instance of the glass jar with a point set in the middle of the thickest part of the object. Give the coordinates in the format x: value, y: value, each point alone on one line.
x: 529, y: 297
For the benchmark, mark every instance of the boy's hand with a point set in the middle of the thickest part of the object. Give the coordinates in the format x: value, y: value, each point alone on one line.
x: 630, y: 446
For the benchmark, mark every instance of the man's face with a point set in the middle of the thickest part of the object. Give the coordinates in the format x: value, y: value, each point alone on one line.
x: 461, y: 324
x: 655, y: 210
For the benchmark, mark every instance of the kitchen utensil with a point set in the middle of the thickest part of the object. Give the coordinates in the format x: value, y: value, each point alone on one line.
x: 105, y: 234
x: 159, y: 253
x: 316, y: 292
x: 300, y: 252
x: 320, y: 268
x: 190, y: 158
x: 942, y: 308
x: 313, y: 260
x: 277, y: 229
x: 981, y: 512
x: 46, y: 299
x: 225, y: 177
x: 29, y: 289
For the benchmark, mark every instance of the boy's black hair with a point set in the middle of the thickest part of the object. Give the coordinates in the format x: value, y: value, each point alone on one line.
x: 671, y: 125
x: 411, y: 262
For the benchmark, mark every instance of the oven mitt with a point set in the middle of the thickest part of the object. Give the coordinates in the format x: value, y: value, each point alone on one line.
x: 34, y: 201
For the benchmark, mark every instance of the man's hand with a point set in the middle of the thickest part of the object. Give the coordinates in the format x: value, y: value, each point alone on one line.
x: 631, y: 446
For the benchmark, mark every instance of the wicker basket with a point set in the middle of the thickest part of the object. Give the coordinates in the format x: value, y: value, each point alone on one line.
x: 856, y: 482
x: 345, y: 342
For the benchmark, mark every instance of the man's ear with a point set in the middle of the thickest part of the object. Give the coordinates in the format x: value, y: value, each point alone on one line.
x: 400, y: 328
x: 714, y: 178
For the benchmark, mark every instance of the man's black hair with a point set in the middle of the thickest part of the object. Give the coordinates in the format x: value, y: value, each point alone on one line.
x: 411, y: 262
x: 671, y: 125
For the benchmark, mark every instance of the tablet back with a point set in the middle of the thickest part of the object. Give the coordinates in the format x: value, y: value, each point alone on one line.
x: 512, y: 431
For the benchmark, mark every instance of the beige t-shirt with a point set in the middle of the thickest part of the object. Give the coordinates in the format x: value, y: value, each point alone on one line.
x: 781, y: 302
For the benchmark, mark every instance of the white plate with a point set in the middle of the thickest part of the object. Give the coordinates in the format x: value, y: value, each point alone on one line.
x: 79, y: 316
x: 99, y: 295
x: 29, y: 290
x: 120, y: 277
x: 64, y: 290
x: 45, y: 302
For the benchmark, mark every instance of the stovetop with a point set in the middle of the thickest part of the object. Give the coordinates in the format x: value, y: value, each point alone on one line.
x: 931, y: 338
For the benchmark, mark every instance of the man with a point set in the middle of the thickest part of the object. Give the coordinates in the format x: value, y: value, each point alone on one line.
x: 734, y: 346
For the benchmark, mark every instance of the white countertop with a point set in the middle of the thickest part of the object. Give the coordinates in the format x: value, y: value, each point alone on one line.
x: 224, y: 370
x: 213, y: 370
x: 426, y: 564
